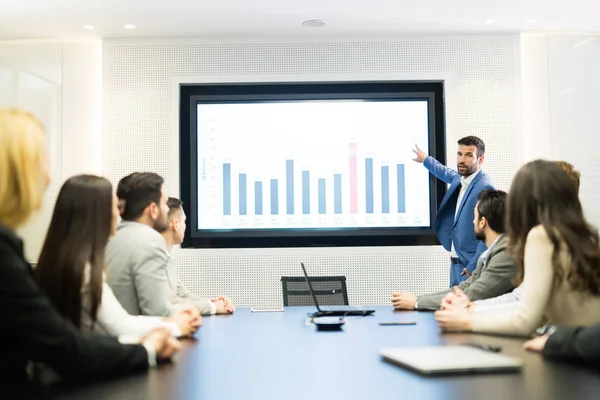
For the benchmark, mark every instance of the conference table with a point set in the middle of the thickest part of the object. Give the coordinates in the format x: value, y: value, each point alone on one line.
x: 280, y: 355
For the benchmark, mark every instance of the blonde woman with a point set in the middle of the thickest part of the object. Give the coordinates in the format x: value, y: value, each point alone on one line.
x: 32, y: 329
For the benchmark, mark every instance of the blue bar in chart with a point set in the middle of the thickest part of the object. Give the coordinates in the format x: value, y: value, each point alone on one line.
x: 337, y: 193
x: 227, y: 189
x: 369, y: 185
x: 401, y: 188
x: 274, y: 197
x: 385, y: 189
x: 242, y: 197
x: 258, y: 202
x: 289, y: 186
x: 322, y: 196
x: 305, y: 192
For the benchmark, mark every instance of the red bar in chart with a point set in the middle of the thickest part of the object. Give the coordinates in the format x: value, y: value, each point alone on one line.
x: 353, y: 180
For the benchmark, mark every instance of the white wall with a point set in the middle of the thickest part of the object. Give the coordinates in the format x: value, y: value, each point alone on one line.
x: 574, y: 92
x: 541, y: 103
x: 140, y: 127
x: 82, y: 109
x: 61, y: 84
x: 560, y: 101
x: 535, y: 99
x: 31, y: 78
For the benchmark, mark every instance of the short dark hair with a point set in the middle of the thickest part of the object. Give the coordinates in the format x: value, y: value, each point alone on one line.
x: 137, y: 191
x: 492, y: 205
x: 473, y: 141
x: 174, y: 206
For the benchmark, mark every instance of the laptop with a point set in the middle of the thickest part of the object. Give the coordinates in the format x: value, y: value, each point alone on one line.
x: 333, y: 310
x: 448, y: 360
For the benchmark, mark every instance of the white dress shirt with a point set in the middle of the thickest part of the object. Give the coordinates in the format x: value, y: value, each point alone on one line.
x: 113, y: 320
x: 506, y: 302
x: 465, y: 182
x: 485, y: 253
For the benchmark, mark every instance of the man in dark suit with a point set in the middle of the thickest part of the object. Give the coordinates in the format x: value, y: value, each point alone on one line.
x: 453, y: 222
x: 569, y: 343
x: 495, y: 267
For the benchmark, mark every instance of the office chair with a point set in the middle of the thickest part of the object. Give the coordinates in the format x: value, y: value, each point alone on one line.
x: 330, y: 291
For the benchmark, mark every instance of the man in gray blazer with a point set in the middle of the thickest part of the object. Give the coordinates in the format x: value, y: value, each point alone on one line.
x: 495, y: 268
x: 136, y: 256
x: 179, y: 294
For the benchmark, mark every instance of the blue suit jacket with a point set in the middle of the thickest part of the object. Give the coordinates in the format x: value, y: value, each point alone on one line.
x: 459, y: 230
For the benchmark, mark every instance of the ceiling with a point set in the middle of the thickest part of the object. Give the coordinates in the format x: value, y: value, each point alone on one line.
x: 65, y: 19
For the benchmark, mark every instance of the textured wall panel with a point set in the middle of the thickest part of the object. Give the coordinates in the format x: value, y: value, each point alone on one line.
x: 140, y: 128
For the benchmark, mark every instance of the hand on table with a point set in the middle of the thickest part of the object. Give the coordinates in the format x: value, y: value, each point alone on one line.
x: 188, y: 320
x: 162, y: 342
x: 456, y: 299
x: 537, y: 344
x: 224, y: 305
x: 403, y: 301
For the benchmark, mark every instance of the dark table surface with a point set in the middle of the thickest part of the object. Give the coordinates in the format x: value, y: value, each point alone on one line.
x: 277, y: 355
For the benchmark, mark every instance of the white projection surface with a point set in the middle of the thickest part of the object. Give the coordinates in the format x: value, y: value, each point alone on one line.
x: 327, y: 164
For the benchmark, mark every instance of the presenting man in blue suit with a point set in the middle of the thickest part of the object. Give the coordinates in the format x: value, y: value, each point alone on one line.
x: 454, y: 220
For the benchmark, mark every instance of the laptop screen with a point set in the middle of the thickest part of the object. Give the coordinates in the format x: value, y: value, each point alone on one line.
x: 310, y: 289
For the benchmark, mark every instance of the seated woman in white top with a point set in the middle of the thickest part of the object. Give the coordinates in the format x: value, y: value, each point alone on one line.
x: 71, y: 265
x: 113, y: 320
x: 556, y: 251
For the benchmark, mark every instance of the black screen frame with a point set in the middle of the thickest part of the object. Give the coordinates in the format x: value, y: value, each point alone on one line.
x: 192, y: 94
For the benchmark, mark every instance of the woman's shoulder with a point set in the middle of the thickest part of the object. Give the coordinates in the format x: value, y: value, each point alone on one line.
x: 537, y: 231
x: 538, y: 235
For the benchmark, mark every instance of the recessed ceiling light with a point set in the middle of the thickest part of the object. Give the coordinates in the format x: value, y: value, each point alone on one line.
x: 314, y: 23
x: 530, y: 20
x: 489, y: 21
x: 89, y: 27
x: 129, y: 26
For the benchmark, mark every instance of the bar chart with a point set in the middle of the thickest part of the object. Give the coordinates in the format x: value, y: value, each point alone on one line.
x: 332, y: 184
x: 353, y: 169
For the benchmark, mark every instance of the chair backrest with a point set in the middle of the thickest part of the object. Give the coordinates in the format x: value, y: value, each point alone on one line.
x: 330, y: 291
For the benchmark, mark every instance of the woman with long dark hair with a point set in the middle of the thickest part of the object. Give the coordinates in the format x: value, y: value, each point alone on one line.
x: 71, y: 266
x: 557, y: 254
